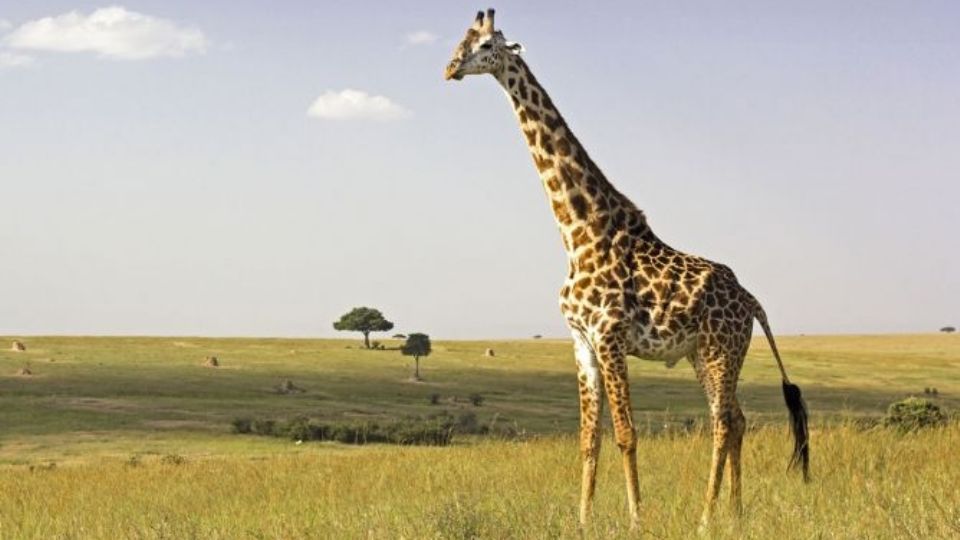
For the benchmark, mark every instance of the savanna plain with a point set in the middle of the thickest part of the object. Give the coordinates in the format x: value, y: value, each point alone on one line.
x: 136, y: 438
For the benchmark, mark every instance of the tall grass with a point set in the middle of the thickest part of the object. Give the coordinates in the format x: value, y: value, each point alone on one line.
x: 866, y: 484
x: 138, y: 430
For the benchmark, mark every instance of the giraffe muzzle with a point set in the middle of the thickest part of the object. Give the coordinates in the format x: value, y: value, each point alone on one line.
x: 453, y: 72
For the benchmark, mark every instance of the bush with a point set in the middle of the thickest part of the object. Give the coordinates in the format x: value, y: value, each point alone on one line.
x: 356, y: 433
x: 419, y: 433
x: 262, y: 426
x: 435, y: 431
x: 467, y: 423
x: 299, y: 429
x: 914, y: 413
x: 242, y: 425
x: 476, y: 399
x: 434, y: 399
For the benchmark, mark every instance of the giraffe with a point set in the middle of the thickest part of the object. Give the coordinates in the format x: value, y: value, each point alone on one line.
x: 629, y: 293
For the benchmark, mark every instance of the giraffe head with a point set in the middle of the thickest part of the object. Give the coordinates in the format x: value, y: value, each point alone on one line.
x: 483, y: 50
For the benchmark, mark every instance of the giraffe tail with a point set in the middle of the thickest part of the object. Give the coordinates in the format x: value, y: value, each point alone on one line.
x: 795, y: 404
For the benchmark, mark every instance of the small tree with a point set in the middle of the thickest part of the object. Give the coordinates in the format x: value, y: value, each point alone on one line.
x: 948, y: 329
x: 417, y: 345
x: 363, y: 320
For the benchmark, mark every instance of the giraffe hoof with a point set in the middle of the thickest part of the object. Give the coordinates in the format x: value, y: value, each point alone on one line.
x: 704, y: 527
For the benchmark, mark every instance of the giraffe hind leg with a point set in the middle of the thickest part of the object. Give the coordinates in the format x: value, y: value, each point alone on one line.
x: 738, y: 426
x: 718, y: 371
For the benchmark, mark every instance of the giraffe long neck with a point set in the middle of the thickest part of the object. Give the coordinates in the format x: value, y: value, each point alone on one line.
x: 588, y: 209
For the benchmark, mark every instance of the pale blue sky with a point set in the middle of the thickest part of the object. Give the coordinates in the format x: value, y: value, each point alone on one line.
x: 814, y: 148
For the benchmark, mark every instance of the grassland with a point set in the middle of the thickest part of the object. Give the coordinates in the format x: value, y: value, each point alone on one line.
x: 85, y: 442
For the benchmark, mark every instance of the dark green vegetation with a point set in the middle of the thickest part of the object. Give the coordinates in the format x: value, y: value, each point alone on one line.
x: 417, y: 345
x: 363, y: 320
x: 914, y: 413
x: 121, y: 395
x: 433, y: 430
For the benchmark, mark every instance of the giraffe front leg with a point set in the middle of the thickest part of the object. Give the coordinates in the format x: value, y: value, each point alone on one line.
x: 589, y: 380
x: 617, y: 385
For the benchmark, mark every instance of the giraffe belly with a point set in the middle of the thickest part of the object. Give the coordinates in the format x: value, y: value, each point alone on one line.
x: 651, y: 344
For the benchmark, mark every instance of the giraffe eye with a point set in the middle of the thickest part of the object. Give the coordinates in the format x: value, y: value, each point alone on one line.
x: 486, y: 46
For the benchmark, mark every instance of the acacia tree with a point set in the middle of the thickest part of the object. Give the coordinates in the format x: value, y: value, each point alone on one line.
x: 417, y: 345
x: 948, y: 329
x: 363, y: 320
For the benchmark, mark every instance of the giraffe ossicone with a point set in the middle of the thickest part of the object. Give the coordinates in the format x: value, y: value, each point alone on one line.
x: 627, y: 293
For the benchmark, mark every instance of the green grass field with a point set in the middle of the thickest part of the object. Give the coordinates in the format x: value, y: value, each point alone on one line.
x: 85, y: 442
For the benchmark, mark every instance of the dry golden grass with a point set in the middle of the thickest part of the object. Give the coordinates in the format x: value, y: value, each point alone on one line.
x: 867, y: 484
x: 107, y: 413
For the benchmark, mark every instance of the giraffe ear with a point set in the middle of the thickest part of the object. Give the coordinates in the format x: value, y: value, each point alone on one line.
x: 514, y: 47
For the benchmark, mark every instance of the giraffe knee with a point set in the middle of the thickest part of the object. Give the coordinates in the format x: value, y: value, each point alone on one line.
x: 730, y: 422
x: 738, y: 423
x: 589, y: 445
x: 627, y: 439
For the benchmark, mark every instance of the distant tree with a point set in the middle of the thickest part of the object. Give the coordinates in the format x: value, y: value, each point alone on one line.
x: 417, y: 345
x: 363, y: 320
x: 948, y: 329
x: 399, y: 336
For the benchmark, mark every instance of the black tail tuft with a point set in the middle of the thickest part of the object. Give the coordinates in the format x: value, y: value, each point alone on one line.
x: 798, y: 422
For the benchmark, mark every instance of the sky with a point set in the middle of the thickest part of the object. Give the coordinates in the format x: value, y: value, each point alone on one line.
x: 259, y: 168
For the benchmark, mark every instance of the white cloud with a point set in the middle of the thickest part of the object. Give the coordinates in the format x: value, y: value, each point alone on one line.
x: 113, y: 32
x: 14, y: 60
x: 421, y: 37
x: 5, y: 25
x: 350, y: 104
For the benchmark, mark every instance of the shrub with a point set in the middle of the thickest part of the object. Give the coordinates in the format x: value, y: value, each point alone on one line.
x: 467, y: 423
x: 476, y: 400
x: 913, y: 413
x: 434, y: 399
x: 419, y: 433
x: 299, y: 429
x: 357, y: 433
x: 345, y: 433
x: 242, y: 425
x: 262, y: 426
x: 437, y: 431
